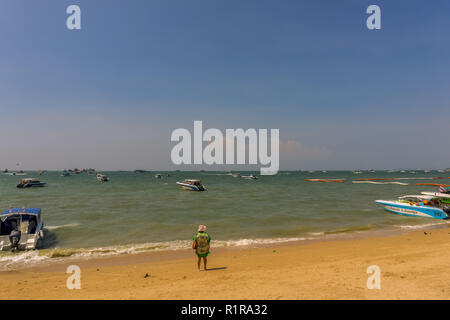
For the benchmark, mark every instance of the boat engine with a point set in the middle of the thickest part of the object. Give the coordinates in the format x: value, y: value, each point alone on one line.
x: 14, y: 238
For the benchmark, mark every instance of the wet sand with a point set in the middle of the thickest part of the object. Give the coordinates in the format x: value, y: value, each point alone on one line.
x: 413, y: 266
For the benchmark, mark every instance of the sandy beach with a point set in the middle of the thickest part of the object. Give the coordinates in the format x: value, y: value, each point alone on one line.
x: 413, y: 266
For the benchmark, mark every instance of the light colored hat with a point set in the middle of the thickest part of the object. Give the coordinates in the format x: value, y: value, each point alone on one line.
x: 201, y: 228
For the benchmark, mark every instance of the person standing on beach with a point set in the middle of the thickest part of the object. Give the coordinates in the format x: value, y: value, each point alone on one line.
x: 201, y: 245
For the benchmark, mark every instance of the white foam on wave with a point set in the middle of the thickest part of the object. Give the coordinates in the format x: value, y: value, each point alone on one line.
x: 68, y: 225
x: 31, y: 258
x: 20, y: 260
x: 422, y: 226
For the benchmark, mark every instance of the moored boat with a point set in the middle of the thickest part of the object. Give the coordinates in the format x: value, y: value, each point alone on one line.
x: 30, y: 183
x: 102, y: 178
x: 418, y: 206
x: 65, y: 174
x: 192, y: 185
x: 20, y: 229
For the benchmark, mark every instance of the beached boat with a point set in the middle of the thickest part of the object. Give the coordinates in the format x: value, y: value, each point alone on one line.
x: 192, y: 185
x: 417, y: 206
x: 102, y: 178
x: 20, y: 229
x: 30, y: 183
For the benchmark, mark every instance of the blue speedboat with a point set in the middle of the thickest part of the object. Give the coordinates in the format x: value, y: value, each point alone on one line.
x: 417, y: 206
x: 20, y: 229
x: 192, y: 185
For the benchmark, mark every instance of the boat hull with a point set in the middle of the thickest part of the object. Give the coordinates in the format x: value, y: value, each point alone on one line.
x: 190, y: 187
x: 31, y: 185
x: 413, y: 210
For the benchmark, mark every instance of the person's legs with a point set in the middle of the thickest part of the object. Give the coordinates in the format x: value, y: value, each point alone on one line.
x: 205, y: 261
x: 198, y: 263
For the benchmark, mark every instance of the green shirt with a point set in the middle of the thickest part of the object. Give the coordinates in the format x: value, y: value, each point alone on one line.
x: 203, y: 239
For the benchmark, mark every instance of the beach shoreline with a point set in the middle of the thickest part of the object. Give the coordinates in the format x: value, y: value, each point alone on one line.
x: 412, y: 263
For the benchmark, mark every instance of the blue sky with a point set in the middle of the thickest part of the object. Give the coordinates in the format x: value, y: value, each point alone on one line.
x: 109, y: 95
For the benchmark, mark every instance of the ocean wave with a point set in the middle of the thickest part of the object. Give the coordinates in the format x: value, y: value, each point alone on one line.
x: 24, y: 259
x: 422, y: 226
x: 68, y: 225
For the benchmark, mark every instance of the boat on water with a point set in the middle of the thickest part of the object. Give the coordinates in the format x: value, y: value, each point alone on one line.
x: 428, y: 206
x: 20, y: 229
x: 65, y: 174
x: 102, y: 178
x: 357, y: 172
x: 192, y: 185
x: 158, y: 176
x: 443, y: 196
x: 18, y: 173
x: 250, y: 177
x: 30, y: 183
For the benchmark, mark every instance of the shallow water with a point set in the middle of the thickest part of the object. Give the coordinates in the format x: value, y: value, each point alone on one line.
x: 135, y: 211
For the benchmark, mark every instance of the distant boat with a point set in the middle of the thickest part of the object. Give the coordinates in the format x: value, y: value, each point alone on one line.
x: 139, y: 171
x: 102, y: 178
x: 357, y: 172
x: 192, y: 185
x: 18, y: 173
x: 65, y: 174
x: 250, y: 177
x: 158, y: 176
x: 29, y: 183
x: 236, y: 175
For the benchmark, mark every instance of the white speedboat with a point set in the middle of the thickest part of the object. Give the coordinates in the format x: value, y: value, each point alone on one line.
x: 192, y: 185
x: 18, y: 173
x: 418, y: 206
x: 102, y: 178
x: 20, y: 229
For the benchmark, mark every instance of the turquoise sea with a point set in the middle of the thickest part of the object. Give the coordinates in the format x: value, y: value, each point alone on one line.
x: 136, y: 212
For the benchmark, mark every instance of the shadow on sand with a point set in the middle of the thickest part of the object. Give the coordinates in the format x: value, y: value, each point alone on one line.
x: 214, y: 269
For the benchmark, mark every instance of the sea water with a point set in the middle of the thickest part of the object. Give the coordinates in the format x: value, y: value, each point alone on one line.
x: 136, y: 212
